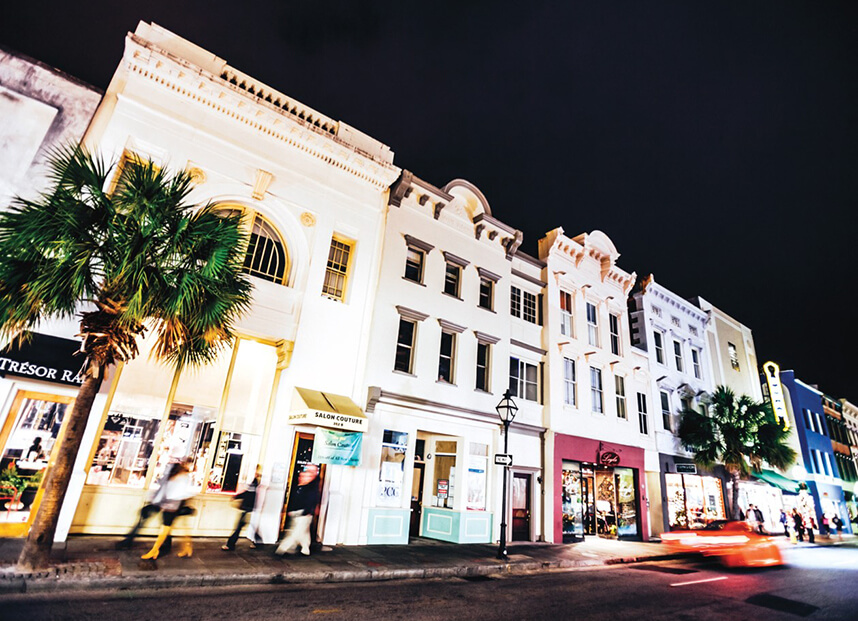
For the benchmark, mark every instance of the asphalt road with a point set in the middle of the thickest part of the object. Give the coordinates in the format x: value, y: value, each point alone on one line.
x: 818, y: 583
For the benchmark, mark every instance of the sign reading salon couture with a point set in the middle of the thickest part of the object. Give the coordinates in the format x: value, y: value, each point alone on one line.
x: 45, y: 358
x: 328, y: 419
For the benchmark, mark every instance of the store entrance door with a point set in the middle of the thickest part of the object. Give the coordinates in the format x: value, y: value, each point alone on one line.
x: 416, y: 499
x: 521, y: 506
x: 28, y: 441
x: 302, y: 456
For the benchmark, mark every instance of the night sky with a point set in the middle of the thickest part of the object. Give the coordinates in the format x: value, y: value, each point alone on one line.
x: 716, y: 143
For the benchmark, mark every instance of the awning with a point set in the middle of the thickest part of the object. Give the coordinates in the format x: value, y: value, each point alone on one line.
x: 777, y: 480
x: 314, y: 407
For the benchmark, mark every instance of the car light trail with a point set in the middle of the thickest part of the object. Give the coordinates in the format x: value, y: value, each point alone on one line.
x: 676, y: 584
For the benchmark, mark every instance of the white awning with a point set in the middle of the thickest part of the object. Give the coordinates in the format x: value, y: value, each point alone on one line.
x: 314, y: 407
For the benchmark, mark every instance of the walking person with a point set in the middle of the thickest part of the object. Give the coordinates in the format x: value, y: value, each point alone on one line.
x: 838, y: 524
x: 783, y: 521
x: 171, y: 498
x: 758, y: 514
x: 247, y: 501
x: 148, y: 510
x: 810, y: 525
x: 301, y: 508
x: 799, y: 524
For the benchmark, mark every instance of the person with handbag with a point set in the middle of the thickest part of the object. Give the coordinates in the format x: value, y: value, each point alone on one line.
x: 246, y: 503
x: 149, y: 509
x: 171, y: 498
x: 301, y: 509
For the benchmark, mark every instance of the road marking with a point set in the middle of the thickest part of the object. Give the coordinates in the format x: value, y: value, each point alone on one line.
x: 699, y: 581
x: 590, y: 554
x: 326, y: 611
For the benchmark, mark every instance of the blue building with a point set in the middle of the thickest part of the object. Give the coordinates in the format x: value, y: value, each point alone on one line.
x: 811, y: 422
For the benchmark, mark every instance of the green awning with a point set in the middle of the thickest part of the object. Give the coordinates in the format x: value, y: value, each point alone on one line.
x: 777, y: 480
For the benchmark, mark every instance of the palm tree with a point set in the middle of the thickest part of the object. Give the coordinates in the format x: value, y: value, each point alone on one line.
x: 739, y: 433
x: 124, y: 261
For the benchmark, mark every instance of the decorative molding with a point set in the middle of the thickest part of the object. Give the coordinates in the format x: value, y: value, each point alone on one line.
x: 456, y: 260
x: 410, y: 313
x: 449, y: 326
x: 198, y: 177
x: 529, y: 278
x: 261, y: 183
x: 529, y: 259
x: 308, y: 219
x: 528, y: 347
x: 438, y: 207
x: 400, y: 189
x: 482, y: 337
x: 488, y: 219
x: 512, y: 243
x: 488, y: 275
x: 418, y: 243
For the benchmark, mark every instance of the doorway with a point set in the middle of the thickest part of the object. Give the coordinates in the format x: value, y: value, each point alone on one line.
x: 302, y: 459
x: 521, y: 488
x: 417, y: 481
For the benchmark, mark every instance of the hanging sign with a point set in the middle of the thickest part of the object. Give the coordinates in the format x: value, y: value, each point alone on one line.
x: 686, y: 468
x: 339, y: 448
x: 776, y: 393
x: 609, y: 458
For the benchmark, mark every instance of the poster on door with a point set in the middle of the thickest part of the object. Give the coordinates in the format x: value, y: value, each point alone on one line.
x: 338, y: 448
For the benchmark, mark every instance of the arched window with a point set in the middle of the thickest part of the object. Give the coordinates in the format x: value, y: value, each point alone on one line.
x: 266, y: 255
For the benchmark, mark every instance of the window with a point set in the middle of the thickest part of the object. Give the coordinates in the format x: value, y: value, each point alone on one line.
x: 483, y: 356
x: 446, y: 357
x: 445, y: 473
x: 391, y: 475
x: 695, y: 363
x: 677, y: 355
x: 658, y: 340
x: 566, y: 313
x: 808, y: 419
x: 642, y: 415
x: 478, y: 466
x: 569, y: 382
x: 596, y: 390
x: 266, y: 255
x: 614, y: 325
x: 665, y: 410
x: 487, y: 293
x: 414, y: 264
x: 734, y: 356
x: 820, y: 426
x: 405, y: 346
x: 523, y: 304
x: 592, y: 325
x: 337, y: 270
x: 523, y: 379
x: 620, y: 389
x: 452, y: 276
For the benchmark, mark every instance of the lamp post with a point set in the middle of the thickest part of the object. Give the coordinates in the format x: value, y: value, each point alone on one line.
x: 506, y: 410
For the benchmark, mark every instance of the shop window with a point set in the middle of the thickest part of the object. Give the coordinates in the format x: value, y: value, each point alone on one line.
x: 658, y: 341
x: 592, y: 325
x: 523, y: 379
x: 643, y: 420
x: 405, y: 345
x: 596, y: 390
x: 444, y: 484
x: 483, y: 358
x: 570, y: 385
x: 391, y: 475
x: 627, y: 517
x: 572, y: 501
x: 665, y: 410
x: 337, y: 270
x: 447, y: 357
x: 614, y: 325
x: 620, y: 389
x: 693, y: 501
x: 566, y: 313
x: 478, y: 464
x: 244, y: 417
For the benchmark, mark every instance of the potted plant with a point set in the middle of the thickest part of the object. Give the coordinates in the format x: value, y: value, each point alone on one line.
x: 11, y: 480
x: 31, y: 486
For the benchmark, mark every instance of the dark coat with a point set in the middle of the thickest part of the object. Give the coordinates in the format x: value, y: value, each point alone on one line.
x: 247, y: 498
x: 305, y: 498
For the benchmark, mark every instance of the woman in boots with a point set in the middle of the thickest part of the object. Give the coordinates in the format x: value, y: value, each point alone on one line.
x: 171, y: 498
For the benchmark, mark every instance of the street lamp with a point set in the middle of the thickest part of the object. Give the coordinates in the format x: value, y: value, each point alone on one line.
x: 506, y: 410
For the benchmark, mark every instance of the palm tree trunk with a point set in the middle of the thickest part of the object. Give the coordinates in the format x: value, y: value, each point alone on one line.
x: 37, y: 549
x: 734, y: 501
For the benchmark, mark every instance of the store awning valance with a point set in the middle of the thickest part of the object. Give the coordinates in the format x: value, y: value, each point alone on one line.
x: 777, y: 480
x: 314, y: 407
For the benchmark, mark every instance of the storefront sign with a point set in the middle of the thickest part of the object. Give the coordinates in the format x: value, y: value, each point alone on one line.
x: 443, y: 488
x: 609, y: 458
x: 339, y: 448
x: 45, y: 358
x: 776, y: 393
x: 329, y: 419
x: 686, y: 468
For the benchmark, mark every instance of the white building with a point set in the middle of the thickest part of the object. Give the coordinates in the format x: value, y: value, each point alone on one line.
x: 673, y: 333
x: 441, y: 348
x: 598, y: 405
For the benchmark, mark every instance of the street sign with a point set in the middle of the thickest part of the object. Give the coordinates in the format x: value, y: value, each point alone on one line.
x: 503, y: 459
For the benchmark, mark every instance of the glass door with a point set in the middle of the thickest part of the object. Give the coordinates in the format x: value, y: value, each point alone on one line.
x: 28, y: 439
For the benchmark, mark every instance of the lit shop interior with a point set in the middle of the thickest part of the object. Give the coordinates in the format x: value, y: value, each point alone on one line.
x: 693, y: 500
x: 599, y: 500
x: 215, y: 416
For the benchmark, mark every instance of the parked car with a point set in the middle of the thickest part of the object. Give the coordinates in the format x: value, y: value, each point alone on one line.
x: 734, y: 542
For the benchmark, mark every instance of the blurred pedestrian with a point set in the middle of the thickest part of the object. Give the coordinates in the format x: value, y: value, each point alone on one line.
x: 798, y: 523
x: 246, y: 502
x: 171, y: 498
x: 301, y: 509
x: 838, y: 524
x: 810, y: 525
x: 783, y: 520
x: 148, y: 510
x: 758, y: 515
x: 824, y: 525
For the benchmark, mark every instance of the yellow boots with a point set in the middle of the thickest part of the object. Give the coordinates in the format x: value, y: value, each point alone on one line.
x: 187, y: 549
x: 156, y: 548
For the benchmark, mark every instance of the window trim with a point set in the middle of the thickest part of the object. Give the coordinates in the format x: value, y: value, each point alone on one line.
x: 596, y: 374
x: 350, y: 246
x: 570, y: 384
x: 614, y: 323
x: 522, y: 383
x: 643, y: 416
x: 620, y: 394
x: 592, y: 326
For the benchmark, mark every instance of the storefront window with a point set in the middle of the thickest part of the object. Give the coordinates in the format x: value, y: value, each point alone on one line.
x: 240, y: 439
x: 693, y: 501
x: 392, y: 469
x: 627, y: 522
x: 131, y: 428
x: 572, y: 501
x: 445, y: 473
x: 478, y: 461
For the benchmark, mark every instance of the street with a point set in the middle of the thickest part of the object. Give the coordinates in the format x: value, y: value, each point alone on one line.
x: 817, y: 583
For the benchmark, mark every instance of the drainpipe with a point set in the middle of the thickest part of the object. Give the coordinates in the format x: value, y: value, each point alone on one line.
x: 541, y: 481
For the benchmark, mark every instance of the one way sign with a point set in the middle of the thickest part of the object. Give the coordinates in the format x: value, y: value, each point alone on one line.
x: 503, y: 459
